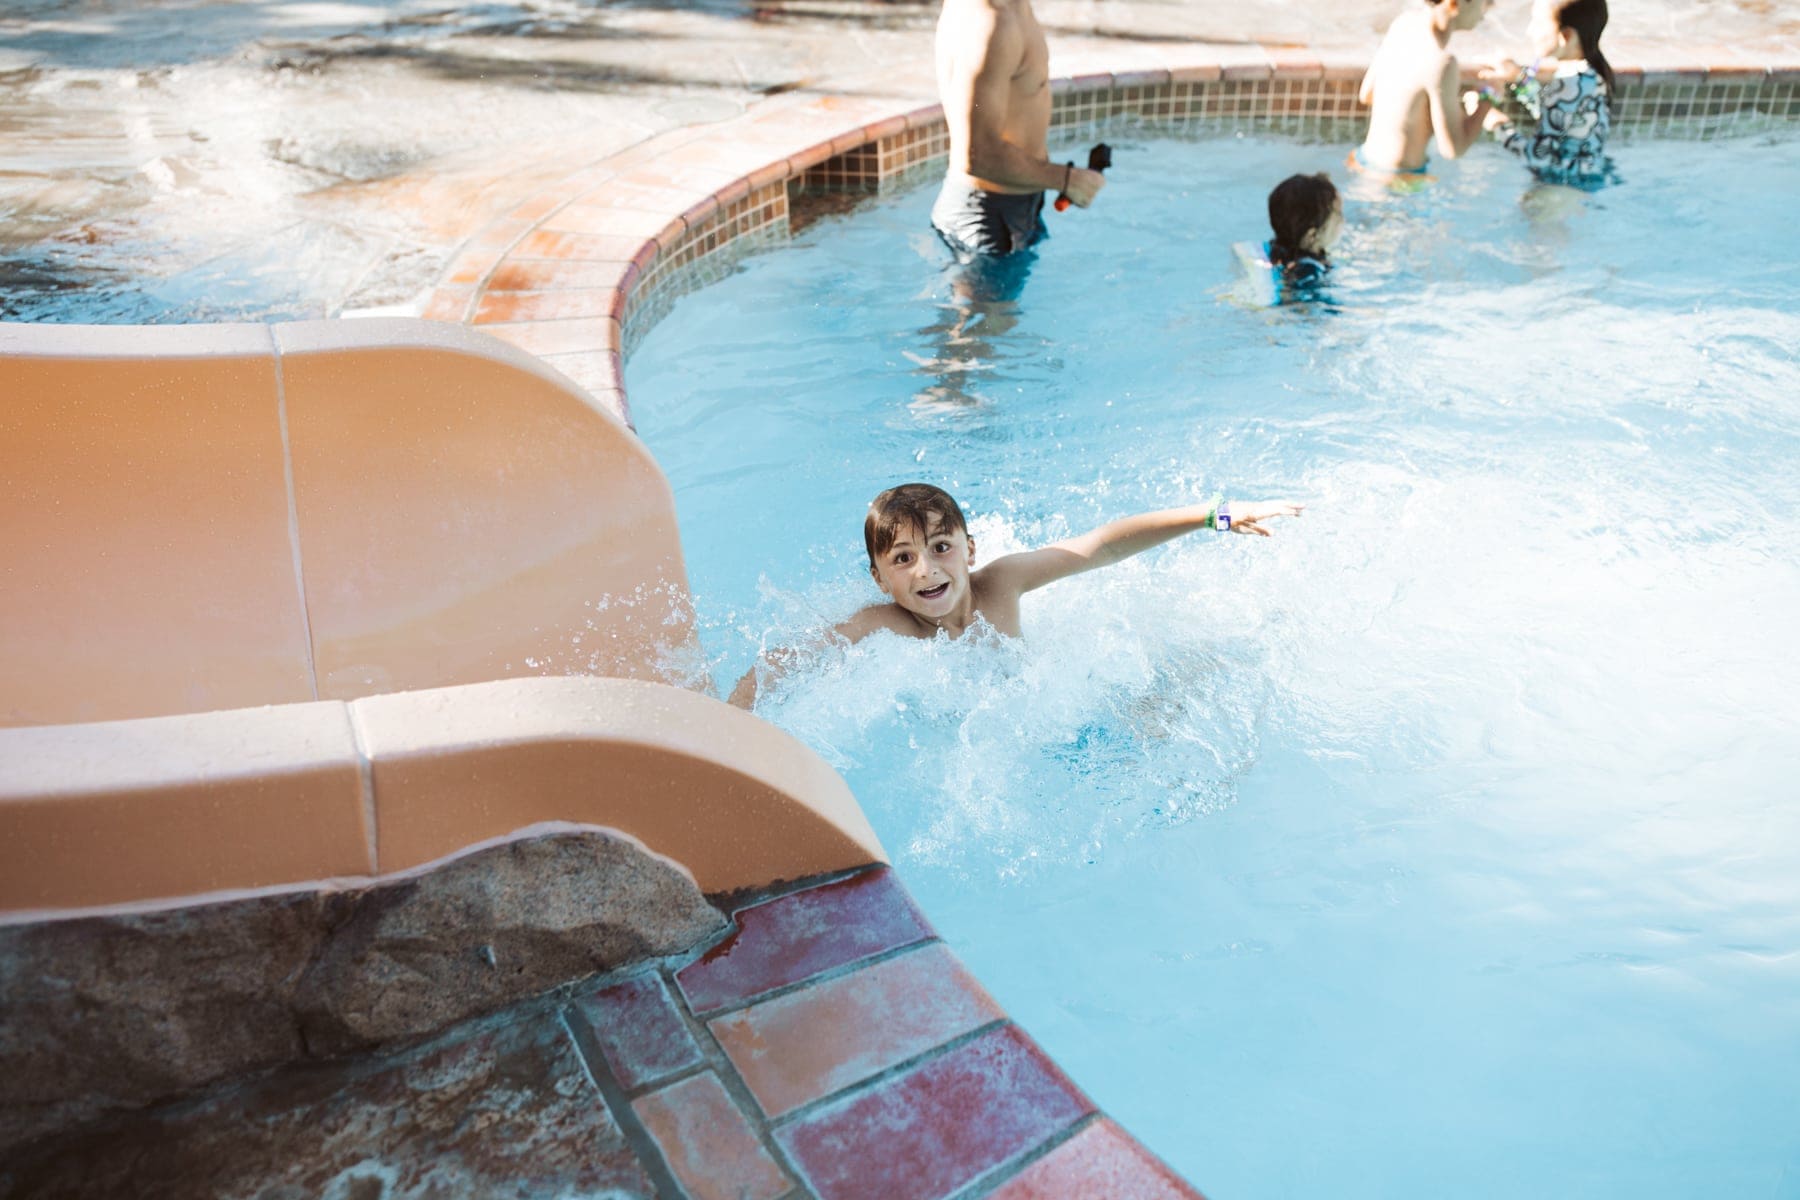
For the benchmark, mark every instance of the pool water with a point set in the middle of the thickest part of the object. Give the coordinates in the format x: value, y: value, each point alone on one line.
x: 1446, y: 843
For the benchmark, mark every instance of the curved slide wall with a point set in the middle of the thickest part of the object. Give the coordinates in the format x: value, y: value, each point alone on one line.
x: 209, y: 517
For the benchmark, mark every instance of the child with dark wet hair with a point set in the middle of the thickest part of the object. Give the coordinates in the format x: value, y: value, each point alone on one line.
x: 922, y: 558
x: 1307, y: 216
x: 1573, y: 109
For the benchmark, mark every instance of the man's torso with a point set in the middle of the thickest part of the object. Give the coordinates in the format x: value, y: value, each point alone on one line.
x: 1026, y: 121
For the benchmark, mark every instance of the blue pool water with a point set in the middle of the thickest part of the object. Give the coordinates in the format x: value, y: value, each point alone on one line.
x: 1447, y: 843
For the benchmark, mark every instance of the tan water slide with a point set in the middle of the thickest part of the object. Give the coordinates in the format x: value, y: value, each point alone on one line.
x: 196, y: 521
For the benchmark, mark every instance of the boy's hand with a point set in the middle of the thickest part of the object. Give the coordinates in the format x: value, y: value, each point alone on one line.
x: 1247, y: 515
x: 1494, y: 119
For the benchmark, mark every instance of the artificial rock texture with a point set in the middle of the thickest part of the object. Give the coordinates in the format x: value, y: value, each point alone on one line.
x: 106, y: 1013
x: 500, y: 1108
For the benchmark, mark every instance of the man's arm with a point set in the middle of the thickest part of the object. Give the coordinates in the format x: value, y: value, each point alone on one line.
x: 1456, y: 129
x: 1118, y: 540
x: 977, y: 89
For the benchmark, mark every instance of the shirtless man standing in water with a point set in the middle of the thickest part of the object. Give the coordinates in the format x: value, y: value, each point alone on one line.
x: 993, y: 73
x: 1414, y: 90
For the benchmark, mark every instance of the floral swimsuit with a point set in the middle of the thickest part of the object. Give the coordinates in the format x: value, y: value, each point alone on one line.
x: 1574, y: 117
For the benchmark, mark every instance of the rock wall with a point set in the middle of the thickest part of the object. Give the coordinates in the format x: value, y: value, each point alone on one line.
x: 111, y: 1012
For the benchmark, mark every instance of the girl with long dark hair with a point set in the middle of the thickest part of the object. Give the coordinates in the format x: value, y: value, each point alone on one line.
x: 1574, y: 108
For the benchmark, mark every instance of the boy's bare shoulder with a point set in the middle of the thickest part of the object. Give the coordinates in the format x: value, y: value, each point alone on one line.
x: 876, y: 617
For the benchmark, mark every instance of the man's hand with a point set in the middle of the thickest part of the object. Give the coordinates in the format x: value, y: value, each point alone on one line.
x: 1247, y: 515
x: 1084, y: 185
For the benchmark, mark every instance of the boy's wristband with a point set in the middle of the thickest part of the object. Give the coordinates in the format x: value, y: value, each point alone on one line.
x: 1222, y: 517
x: 1212, y: 511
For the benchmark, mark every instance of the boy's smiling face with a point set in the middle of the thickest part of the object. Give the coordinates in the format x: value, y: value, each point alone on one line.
x: 927, y: 574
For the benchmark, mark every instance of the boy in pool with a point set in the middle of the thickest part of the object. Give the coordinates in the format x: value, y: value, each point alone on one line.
x: 922, y: 557
x: 1414, y: 91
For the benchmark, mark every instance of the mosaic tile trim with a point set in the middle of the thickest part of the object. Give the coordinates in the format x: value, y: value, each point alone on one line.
x: 703, y: 253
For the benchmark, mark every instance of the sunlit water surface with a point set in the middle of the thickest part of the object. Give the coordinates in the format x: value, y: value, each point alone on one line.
x: 1446, y: 843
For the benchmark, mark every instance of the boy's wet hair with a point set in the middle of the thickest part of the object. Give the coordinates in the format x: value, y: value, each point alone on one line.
x: 1588, y: 19
x: 905, y: 507
x: 1299, y: 204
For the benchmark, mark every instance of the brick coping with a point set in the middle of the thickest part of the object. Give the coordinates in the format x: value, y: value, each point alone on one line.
x: 577, y: 273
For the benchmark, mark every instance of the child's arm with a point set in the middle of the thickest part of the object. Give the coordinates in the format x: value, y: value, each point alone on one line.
x: 1118, y: 540
x: 771, y: 665
x: 1455, y: 129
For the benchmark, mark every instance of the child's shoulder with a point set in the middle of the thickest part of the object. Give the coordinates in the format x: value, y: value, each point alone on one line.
x: 873, y: 619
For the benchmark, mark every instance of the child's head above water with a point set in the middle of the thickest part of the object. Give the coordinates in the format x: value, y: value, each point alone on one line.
x: 909, y: 508
x: 1570, y: 29
x: 920, y: 551
x: 1306, y: 215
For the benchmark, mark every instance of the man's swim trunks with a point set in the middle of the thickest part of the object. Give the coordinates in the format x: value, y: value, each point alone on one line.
x: 1357, y: 162
x: 992, y: 223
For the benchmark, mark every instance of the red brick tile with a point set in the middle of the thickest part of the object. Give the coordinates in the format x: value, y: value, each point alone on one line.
x: 498, y: 235
x: 587, y: 247
x: 773, y: 172
x: 928, y: 1131
x: 1197, y: 73
x: 640, y: 1030
x: 470, y: 266
x: 708, y: 1142
x: 617, y: 222
x: 645, y: 255
x: 1149, y: 77
x: 1295, y: 64
x: 796, y: 936
x: 498, y: 308
x: 885, y: 128
x: 812, y: 156
x: 930, y: 116
x: 805, y: 1045
x: 579, y: 335
x: 1249, y: 70
x: 544, y: 274
x: 700, y: 212
x: 647, y: 189
x: 1103, y: 1161
x: 845, y: 142
x: 539, y: 206
x: 448, y: 304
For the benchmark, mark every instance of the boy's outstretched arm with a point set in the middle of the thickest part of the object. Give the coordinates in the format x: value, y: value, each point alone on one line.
x: 1118, y: 540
